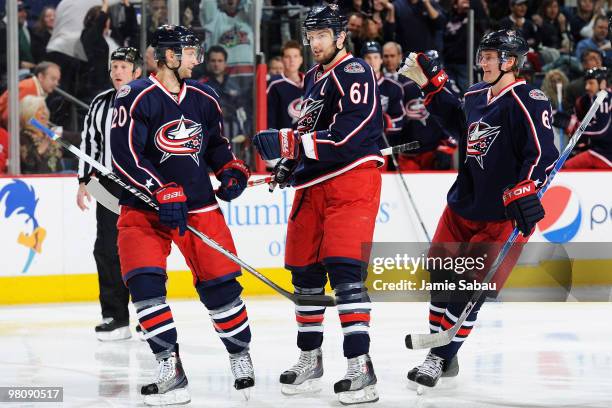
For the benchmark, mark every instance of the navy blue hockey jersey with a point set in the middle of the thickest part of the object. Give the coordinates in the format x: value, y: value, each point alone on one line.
x: 392, y: 103
x: 599, y: 131
x: 157, y: 139
x: 507, y: 138
x: 341, y: 120
x: 420, y: 126
x: 284, y: 101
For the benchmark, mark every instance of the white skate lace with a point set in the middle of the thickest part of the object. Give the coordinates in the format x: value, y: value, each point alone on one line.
x: 166, y: 370
x: 241, y: 366
x: 306, y: 362
x: 355, y: 368
x: 432, y: 366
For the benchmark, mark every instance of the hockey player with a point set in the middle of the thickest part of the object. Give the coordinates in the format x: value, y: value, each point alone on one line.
x: 437, y: 143
x: 599, y: 132
x: 125, y: 66
x: 391, y: 92
x: 334, y: 153
x: 285, y: 91
x: 166, y: 132
x: 506, y: 153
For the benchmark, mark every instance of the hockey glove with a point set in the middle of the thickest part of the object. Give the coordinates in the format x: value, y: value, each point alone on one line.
x: 283, y: 172
x: 275, y: 144
x: 172, y: 207
x: 523, y: 206
x: 426, y: 72
x: 233, y: 177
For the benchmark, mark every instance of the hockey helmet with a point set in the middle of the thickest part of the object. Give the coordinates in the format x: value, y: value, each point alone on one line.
x: 508, y: 43
x: 321, y: 17
x: 371, y: 47
x: 599, y: 73
x: 128, y: 54
x: 175, y: 38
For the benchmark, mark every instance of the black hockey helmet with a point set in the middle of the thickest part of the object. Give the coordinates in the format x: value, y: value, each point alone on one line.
x: 324, y: 16
x: 599, y: 73
x: 175, y: 38
x: 508, y: 43
x: 371, y: 47
x: 128, y: 54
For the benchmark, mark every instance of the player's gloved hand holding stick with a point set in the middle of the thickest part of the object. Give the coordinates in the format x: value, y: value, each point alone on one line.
x: 172, y: 203
x: 284, y: 144
x: 523, y: 206
x: 174, y: 192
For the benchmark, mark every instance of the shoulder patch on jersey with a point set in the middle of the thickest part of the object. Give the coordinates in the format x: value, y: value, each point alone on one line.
x: 354, y: 68
x: 123, y: 91
x: 538, y: 95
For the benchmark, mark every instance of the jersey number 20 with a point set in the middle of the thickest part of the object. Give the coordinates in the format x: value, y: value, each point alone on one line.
x: 119, y: 117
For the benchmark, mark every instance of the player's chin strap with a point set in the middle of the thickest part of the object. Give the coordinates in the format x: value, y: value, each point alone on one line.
x: 335, y: 54
x: 175, y: 71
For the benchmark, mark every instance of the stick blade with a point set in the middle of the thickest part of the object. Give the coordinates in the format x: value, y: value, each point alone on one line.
x: 314, y: 300
x: 429, y: 340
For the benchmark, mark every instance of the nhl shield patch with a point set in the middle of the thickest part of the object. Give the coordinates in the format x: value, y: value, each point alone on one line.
x: 538, y: 95
x: 354, y: 68
x: 123, y: 91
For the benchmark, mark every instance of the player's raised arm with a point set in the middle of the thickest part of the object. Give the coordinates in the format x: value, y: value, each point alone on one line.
x: 129, y: 140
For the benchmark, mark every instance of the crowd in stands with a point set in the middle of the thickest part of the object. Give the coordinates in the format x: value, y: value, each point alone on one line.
x: 67, y: 43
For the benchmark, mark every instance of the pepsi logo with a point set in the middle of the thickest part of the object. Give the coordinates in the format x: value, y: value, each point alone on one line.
x: 563, y: 215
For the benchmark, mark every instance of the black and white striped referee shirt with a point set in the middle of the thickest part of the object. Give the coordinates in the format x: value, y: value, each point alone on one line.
x: 95, y: 138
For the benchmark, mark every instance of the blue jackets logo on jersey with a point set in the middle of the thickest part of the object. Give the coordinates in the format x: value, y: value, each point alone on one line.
x: 480, y: 138
x: 310, y: 114
x: 182, y: 137
x: 294, y: 109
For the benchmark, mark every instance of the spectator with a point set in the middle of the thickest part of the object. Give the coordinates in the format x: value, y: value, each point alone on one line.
x: 581, y: 18
x: 98, y: 45
x: 420, y: 23
x: 41, y: 33
x: 4, y: 151
x: 124, y: 25
x: 64, y: 47
x: 38, y: 153
x: 44, y: 81
x: 392, y: 58
x: 275, y: 66
x: 158, y: 12
x: 517, y: 21
x: 455, y: 39
x: 150, y: 63
x: 549, y: 87
x: 232, y: 98
x: 599, y: 40
x: 26, y: 60
x: 383, y: 15
x: 552, y: 26
x: 355, y: 29
x: 590, y: 59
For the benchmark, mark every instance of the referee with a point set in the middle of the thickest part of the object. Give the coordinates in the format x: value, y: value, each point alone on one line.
x: 125, y: 66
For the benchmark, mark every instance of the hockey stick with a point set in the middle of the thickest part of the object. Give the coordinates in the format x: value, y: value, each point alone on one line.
x: 305, y: 300
x: 112, y: 203
x: 560, y: 109
x: 430, y: 340
x: 401, y: 175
